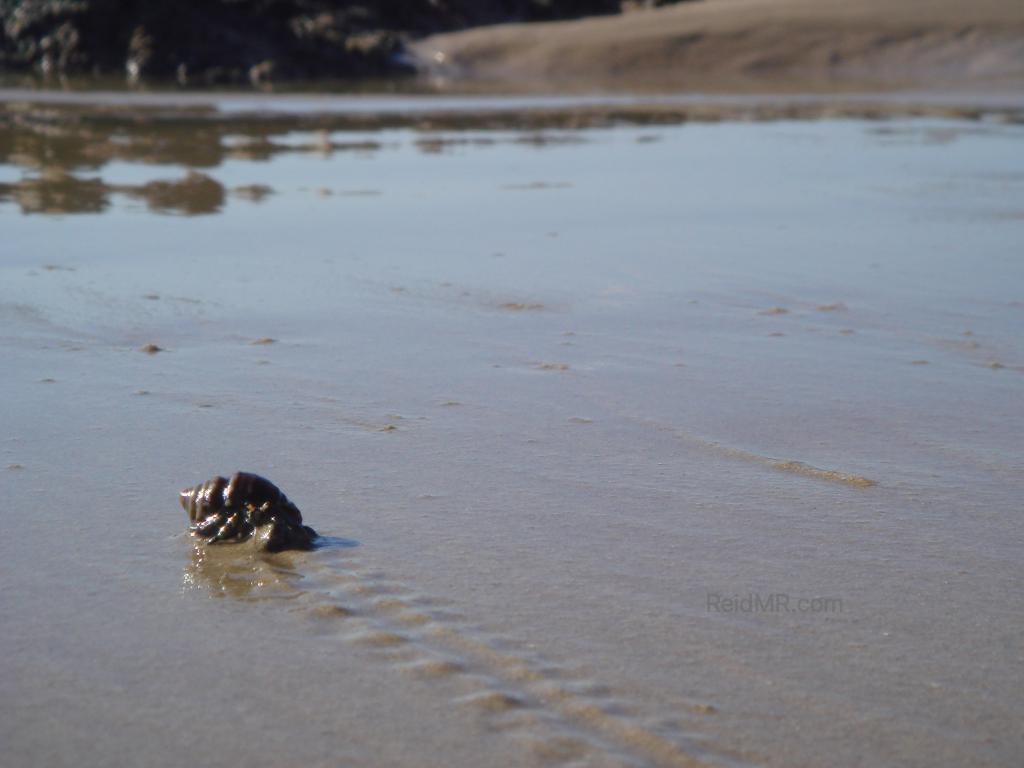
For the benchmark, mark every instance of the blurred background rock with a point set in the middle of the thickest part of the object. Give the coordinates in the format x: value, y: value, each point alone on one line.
x: 220, y: 41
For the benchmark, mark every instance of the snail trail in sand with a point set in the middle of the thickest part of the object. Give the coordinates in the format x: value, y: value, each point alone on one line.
x: 245, y: 508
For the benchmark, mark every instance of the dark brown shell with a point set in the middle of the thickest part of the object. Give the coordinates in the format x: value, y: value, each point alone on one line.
x: 200, y: 500
x: 246, y: 506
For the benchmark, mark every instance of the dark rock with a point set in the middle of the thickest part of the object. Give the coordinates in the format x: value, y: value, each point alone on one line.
x: 207, y: 41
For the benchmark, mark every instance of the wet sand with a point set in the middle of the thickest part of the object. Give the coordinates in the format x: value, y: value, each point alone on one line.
x: 745, y: 45
x: 636, y: 445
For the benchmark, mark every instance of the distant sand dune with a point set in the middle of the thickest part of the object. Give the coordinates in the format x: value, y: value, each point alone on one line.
x: 748, y: 45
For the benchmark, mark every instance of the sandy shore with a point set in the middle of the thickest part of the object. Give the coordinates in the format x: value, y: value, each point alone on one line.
x: 747, y: 45
x: 637, y: 446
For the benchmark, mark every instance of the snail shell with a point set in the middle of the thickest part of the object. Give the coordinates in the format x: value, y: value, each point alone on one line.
x: 243, y: 489
x: 246, y: 506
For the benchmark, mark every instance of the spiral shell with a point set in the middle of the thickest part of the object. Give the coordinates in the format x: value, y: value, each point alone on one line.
x: 244, y: 507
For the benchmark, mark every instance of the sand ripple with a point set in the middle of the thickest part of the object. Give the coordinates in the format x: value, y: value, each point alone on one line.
x: 558, y: 716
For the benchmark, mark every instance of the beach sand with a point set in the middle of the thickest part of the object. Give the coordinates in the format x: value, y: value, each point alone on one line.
x: 653, y: 443
x: 745, y: 45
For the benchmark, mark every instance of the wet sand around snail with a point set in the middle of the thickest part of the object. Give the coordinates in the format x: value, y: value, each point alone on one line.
x: 621, y: 443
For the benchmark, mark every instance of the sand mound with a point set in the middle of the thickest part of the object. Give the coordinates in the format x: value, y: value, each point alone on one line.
x: 748, y: 45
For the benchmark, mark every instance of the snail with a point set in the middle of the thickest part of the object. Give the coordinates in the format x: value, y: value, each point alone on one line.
x: 245, y: 507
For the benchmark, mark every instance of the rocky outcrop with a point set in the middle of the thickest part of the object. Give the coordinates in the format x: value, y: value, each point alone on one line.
x: 207, y: 41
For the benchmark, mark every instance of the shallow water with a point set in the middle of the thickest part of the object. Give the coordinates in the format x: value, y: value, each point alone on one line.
x: 554, y: 398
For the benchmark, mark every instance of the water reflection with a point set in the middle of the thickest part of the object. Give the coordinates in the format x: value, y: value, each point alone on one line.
x: 56, y: 191
x: 241, y: 573
x: 196, y: 193
x: 60, y: 160
x: 253, y: 192
x: 62, y: 152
